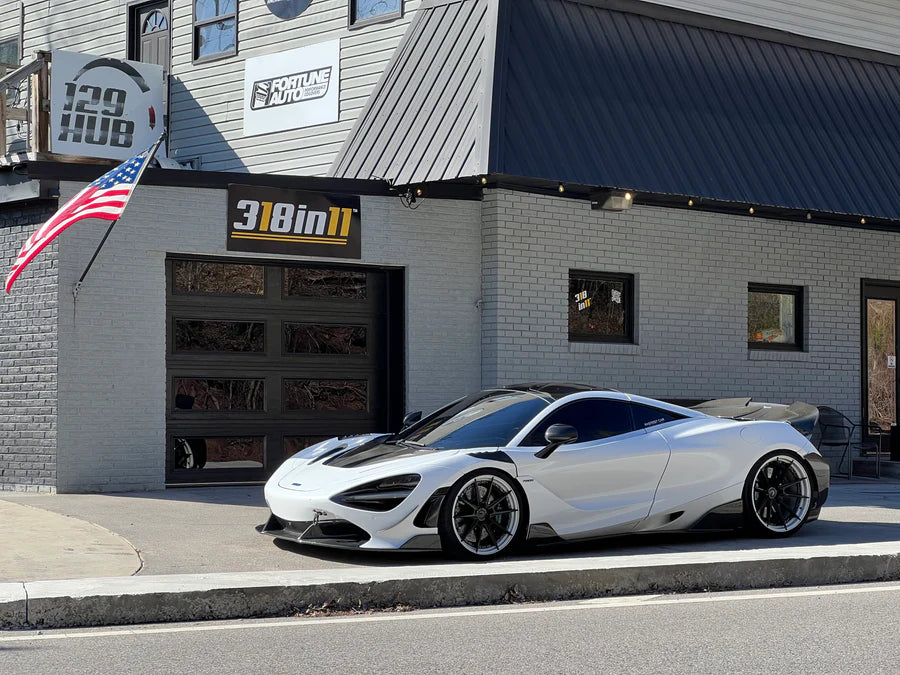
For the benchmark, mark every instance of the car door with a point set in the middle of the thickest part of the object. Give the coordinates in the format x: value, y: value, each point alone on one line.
x: 606, y: 479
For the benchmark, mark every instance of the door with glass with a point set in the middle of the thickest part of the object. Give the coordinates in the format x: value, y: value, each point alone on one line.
x: 880, y: 393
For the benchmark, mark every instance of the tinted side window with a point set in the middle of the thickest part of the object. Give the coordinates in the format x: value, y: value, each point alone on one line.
x: 593, y: 418
x: 646, y: 417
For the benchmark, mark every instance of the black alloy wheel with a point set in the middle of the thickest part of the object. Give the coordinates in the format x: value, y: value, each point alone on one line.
x: 778, y: 494
x: 483, y: 516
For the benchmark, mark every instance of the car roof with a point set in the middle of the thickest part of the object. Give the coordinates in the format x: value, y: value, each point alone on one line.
x: 555, y: 390
x: 559, y: 390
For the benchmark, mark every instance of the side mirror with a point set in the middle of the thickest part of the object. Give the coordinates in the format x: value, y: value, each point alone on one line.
x: 412, y: 418
x: 557, y: 435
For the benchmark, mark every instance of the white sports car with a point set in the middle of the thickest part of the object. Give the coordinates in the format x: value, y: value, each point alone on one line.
x: 548, y: 462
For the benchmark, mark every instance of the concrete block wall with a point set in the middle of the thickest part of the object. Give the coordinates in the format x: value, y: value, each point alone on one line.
x: 691, y: 270
x: 28, y: 356
x: 112, y: 346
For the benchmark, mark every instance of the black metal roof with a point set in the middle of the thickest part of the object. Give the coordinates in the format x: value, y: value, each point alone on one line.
x: 577, y: 93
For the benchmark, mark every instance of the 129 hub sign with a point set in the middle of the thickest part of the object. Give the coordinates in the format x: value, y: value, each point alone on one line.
x: 294, y: 222
x: 104, y: 107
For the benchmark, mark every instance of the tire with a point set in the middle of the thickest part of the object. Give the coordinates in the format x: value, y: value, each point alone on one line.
x: 483, y: 516
x: 778, y: 495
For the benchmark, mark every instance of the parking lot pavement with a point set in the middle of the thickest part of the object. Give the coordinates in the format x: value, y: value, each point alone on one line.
x: 212, y: 530
x: 38, y: 544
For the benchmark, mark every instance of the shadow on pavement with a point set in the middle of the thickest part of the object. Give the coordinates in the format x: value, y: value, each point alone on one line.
x: 820, y: 533
x: 242, y: 495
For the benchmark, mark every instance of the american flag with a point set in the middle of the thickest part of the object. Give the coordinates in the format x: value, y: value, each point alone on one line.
x: 105, y: 198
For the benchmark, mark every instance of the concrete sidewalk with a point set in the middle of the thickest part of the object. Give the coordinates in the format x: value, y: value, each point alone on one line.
x: 195, y: 555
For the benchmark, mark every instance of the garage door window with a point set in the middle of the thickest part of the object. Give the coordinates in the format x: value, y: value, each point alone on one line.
x: 219, y: 336
x: 303, y: 338
x: 201, y: 394
x: 322, y: 283
x: 197, y: 277
x: 334, y: 395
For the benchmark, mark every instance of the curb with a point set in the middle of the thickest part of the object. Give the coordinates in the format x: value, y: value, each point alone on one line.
x: 129, y: 600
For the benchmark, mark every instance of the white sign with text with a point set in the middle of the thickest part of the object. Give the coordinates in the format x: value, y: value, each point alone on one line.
x: 293, y: 89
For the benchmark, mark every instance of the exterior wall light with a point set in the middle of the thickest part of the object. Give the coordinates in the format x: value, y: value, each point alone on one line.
x: 612, y: 200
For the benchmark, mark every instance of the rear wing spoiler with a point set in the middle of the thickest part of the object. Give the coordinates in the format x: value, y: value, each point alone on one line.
x: 801, y: 416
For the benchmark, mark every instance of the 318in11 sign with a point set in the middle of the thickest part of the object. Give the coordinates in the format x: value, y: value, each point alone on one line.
x: 293, y: 222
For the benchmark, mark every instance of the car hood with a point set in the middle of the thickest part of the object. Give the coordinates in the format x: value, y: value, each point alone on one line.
x: 338, y: 460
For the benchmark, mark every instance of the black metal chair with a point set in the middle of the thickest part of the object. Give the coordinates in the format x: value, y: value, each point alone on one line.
x: 835, y: 431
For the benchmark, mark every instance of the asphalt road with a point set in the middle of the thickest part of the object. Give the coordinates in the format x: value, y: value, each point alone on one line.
x: 823, y: 630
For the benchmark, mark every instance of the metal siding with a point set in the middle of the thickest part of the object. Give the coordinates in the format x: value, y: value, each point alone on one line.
x: 421, y: 121
x: 209, y: 96
x: 620, y: 100
x: 76, y: 25
x: 206, y: 111
x: 873, y: 24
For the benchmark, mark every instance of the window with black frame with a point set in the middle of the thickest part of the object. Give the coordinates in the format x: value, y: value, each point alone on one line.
x: 373, y: 11
x: 215, y: 29
x: 601, y: 307
x: 774, y: 317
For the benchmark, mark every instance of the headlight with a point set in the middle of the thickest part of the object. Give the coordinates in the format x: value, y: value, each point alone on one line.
x: 379, y: 495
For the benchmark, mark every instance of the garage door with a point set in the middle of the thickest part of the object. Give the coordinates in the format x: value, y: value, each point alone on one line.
x: 265, y: 359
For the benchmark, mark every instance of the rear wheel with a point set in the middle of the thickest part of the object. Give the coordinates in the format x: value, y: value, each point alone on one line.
x: 777, y: 495
x: 483, y: 515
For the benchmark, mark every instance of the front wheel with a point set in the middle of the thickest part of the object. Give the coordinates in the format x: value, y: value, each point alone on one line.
x: 777, y: 495
x: 483, y: 515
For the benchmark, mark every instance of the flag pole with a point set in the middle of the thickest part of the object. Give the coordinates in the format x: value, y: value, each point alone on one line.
x: 137, y: 180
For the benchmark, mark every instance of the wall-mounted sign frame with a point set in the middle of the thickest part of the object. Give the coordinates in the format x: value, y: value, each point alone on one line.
x: 293, y: 222
x: 293, y: 89
x: 103, y: 107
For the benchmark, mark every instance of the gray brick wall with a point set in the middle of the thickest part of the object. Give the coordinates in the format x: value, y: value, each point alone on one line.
x: 112, y: 350
x: 28, y: 357
x: 692, y: 271
x: 439, y: 244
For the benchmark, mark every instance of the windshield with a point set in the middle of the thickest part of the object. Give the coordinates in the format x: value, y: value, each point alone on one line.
x: 487, y: 419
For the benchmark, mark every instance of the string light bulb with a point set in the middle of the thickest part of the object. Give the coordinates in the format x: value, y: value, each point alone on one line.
x: 562, y: 188
x: 809, y: 215
x: 484, y: 180
x: 690, y: 202
x: 419, y: 192
x: 862, y: 221
x: 751, y: 211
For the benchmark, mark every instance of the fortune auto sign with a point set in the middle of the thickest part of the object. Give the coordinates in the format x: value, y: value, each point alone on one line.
x: 102, y: 107
x: 288, y: 89
x: 293, y: 89
x: 293, y: 222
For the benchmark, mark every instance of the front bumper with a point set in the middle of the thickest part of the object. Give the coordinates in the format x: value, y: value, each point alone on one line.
x: 339, y: 534
x: 333, y: 533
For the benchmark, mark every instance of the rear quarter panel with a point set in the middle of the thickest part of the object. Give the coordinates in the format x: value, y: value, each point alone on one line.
x: 714, y: 455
